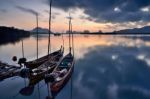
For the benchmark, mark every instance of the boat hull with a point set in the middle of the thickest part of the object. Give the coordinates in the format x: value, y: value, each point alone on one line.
x: 40, y: 61
x: 55, y: 89
x: 57, y: 86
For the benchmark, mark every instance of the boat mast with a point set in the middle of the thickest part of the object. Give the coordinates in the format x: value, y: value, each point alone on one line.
x: 49, y: 40
x: 72, y: 40
x: 37, y: 30
x: 69, y: 33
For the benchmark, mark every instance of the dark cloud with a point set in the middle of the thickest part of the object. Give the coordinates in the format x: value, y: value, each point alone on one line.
x: 64, y: 4
x: 108, y: 10
x: 54, y: 14
x: 27, y: 10
x: 86, y: 18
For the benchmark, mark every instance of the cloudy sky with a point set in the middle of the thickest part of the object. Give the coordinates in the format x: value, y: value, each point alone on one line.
x: 93, y: 15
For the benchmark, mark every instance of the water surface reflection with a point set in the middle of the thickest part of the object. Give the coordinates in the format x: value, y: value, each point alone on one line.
x: 106, y: 67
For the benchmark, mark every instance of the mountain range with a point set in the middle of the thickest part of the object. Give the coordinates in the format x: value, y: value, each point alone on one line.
x: 40, y: 30
x: 145, y: 29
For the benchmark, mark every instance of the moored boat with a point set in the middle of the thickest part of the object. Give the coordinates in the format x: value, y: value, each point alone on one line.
x: 35, y: 63
x: 61, y: 74
x: 46, y: 67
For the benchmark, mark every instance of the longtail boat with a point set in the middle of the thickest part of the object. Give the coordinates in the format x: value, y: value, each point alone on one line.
x: 46, y: 67
x: 35, y: 63
x: 63, y: 71
x: 61, y: 74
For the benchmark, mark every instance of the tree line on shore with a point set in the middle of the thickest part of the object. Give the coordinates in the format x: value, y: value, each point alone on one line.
x: 12, y: 35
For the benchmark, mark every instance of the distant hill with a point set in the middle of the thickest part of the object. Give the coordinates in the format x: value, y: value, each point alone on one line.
x: 40, y: 30
x: 145, y: 29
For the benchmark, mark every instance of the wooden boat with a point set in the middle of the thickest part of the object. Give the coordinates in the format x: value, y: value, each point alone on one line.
x: 37, y: 75
x: 46, y: 67
x: 35, y: 63
x: 61, y: 74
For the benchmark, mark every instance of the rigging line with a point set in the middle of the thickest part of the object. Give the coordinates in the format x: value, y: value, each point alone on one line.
x: 37, y: 34
x: 49, y: 40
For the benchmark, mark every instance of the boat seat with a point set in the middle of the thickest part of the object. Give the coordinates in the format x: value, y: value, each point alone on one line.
x: 66, y: 63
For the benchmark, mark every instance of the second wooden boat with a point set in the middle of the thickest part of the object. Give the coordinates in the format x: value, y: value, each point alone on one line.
x: 35, y: 63
x: 62, y: 73
x: 46, y: 67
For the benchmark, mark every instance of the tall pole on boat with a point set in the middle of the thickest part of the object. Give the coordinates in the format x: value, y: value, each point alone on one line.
x: 69, y: 33
x: 72, y: 40
x: 37, y: 30
x: 49, y: 40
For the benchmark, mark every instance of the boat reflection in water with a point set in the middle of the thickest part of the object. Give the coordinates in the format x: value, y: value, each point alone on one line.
x: 29, y: 89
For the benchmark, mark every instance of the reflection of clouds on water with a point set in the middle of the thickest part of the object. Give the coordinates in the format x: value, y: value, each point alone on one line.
x: 107, y: 70
x: 82, y: 90
x: 106, y: 67
x: 144, y: 58
x: 82, y: 48
x: 143, y: 92
x: 113, y: 91
x: 114, y: 57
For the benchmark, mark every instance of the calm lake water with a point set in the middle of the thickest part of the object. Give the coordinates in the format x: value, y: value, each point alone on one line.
x: 106, y: 67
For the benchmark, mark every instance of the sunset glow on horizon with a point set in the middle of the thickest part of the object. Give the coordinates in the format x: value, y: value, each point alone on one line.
x: 16, y: 13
